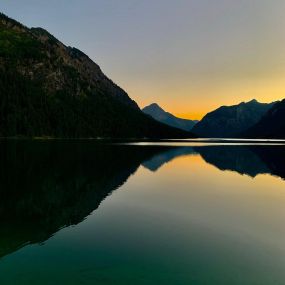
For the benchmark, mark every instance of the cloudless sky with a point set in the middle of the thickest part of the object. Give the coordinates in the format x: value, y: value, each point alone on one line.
x: 189, y: 56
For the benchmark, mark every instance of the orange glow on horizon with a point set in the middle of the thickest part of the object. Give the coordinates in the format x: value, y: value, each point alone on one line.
x: 211, y: 95
x: 190, y: 116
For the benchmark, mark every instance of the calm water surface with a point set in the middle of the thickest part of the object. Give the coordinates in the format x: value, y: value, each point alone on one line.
x: 87, y: 213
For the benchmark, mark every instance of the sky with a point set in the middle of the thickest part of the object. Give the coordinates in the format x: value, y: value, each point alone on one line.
x: 189, y: 56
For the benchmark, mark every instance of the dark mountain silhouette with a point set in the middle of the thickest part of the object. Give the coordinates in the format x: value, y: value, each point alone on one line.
x: 49, y: 89
x: 230, y: 121
x: 156, y: 112
x: 45, y: 186
x: 271, y: 125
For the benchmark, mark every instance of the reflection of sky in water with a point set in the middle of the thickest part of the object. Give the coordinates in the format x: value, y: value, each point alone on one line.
x: 184, y: 221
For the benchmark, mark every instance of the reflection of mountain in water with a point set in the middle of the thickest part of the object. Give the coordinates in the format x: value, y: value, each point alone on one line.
x: 274, y: 157
x: 235, y: 158
x: 162, y: 158
x: 249, y: 160
x: 45, y: 186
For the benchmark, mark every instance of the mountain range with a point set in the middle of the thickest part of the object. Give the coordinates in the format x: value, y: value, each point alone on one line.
x: 271, y: 125
x: 52, y: 90
x: 231, y: 121
x: 49, y: 89
x: 156, y: 112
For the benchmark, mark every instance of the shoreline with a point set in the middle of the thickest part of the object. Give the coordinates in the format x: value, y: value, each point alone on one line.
x: 142, y: 141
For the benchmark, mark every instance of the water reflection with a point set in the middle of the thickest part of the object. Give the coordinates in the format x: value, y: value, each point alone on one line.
x: 158, y: 160
x: 249, y: 160
x: 45, y: 186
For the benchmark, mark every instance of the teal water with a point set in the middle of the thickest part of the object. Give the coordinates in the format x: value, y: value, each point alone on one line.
x: 79, y: 212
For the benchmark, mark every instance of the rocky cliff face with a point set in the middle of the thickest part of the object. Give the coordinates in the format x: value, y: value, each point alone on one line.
x: 49, y: 89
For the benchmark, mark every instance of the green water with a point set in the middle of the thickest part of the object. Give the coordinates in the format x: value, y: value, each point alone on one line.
x: 79, y: 212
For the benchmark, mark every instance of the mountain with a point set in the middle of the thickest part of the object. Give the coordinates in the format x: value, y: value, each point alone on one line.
x: 156, y: 112
x: 271, y: 125
x: 49, y: 89
x: 229, y: 121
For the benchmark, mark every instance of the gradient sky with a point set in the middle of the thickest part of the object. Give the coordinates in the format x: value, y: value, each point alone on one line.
x: 189, y: 56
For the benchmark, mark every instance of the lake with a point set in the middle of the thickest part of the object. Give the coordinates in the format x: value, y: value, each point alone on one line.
x: 83, y: 212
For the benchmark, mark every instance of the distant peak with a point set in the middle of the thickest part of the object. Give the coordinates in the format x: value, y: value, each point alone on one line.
x: 153, y: 106
x: 253, y: 101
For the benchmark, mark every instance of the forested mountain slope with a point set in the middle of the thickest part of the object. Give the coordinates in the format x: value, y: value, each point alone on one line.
x: 49, y: 89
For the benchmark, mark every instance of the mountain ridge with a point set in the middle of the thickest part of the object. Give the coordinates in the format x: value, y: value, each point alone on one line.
x: 229, y: 121
x: 159, y: 114
x: 49, y: 89
x: 271, y: 125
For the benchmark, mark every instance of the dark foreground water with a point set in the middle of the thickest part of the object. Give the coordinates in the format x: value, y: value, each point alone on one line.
x: 83, y: 213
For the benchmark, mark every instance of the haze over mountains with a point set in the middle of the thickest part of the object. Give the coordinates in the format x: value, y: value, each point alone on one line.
x: 49, y: 89
x: 156, y: 112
